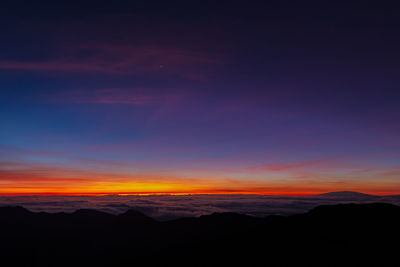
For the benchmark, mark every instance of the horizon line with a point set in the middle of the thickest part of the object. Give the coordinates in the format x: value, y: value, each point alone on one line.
x: 186, y: 193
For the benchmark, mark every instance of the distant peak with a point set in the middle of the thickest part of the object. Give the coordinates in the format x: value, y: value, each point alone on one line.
x: 134, y: 215
x: 226, y: 216
x: 346, y: 194
x: 131, y: 212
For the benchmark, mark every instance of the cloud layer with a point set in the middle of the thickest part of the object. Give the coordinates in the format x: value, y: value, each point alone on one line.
x: 165, y: 207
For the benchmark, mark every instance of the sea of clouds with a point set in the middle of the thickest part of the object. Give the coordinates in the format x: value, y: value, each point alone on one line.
x: 166, y: 207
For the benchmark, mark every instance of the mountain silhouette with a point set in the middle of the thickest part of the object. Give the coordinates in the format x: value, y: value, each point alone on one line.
x: 135, y: 217
x: 337, y: 235
x: 348, y: 194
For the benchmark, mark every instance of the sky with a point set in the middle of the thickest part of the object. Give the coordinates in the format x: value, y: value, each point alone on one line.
x: 199, y: 97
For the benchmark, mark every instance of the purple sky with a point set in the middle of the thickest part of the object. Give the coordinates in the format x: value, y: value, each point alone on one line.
x: 199, y: 97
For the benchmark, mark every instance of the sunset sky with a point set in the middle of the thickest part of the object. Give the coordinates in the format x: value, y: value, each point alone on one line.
x: 273, y: 97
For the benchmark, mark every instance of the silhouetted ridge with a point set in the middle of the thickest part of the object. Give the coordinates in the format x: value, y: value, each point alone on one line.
x: 227, y: 218
x: 337, y: 235
x: 13, y: 210
x: 15, y: 214
x: 356, y: 212
x: 351, y: 207
x: 133, y: 216
x: 91, y: 214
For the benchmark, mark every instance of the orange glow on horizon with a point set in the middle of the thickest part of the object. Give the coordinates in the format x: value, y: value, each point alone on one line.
x: 53, y: 181
x: 39, y: 192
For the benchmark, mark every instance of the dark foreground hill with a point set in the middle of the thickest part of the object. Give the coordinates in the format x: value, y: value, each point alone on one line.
x: 340, y: 235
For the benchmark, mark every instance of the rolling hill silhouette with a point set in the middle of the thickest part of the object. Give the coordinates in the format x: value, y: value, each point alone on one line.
x: 338, y: 235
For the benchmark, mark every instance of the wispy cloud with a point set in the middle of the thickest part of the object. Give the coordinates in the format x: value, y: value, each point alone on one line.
x: 123, y: 60
x: 58, y: 65
x: 131, y: 96
x: 333, y: 164
x: 288, y: 166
